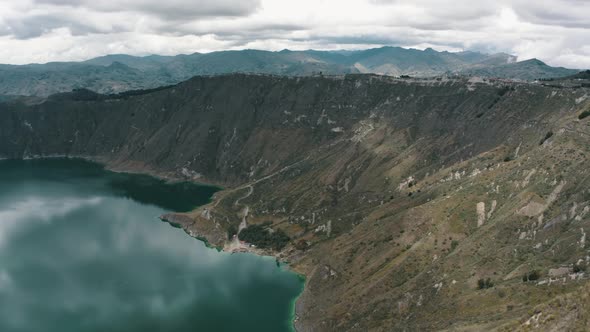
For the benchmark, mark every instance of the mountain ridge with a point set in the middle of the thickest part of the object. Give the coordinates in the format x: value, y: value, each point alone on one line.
x: 132, y: 73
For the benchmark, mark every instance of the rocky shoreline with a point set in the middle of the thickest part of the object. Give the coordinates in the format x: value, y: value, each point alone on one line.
x: 213, y: 240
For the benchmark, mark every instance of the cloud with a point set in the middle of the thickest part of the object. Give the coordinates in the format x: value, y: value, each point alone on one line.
x: 562, y: 13
x: 167, y: 9
x: 38, y: 209
x: 46, y: 30
x: 35, y: 26
x: 445, y: 10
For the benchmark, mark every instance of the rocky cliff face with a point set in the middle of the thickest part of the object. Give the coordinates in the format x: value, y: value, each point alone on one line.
x: 402, y: 196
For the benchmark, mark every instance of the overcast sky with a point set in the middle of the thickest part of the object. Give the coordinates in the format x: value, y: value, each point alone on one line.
x: 555, y: 31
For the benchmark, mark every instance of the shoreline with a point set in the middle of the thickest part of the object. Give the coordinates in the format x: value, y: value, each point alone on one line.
x: 293, y: 317
x: 169, y: 177
x: 139, y: 168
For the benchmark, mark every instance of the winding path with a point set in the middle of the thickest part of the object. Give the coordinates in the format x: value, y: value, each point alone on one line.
x: 235, y: 244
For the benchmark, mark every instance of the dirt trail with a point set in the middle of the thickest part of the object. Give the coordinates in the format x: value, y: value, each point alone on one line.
x: 244, y: 222
x: 251, y: 184
x: 250, y: 191
x: 235, y: 245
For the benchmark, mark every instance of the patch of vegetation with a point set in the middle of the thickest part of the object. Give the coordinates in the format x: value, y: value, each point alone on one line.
x: 547, y: 136
x: 301, y: 245
x: 584, y: 114
x: 579, y: 268
x: 505, y: 90
x: 485, y: 283
x: 454, y: 244
x: 77, y: 95
x: 85, y: 95
x: 494, y: 102
x: 263, y: 237
x: 138, y: 92
x: 231, y: 231
x: 531, y: 276
x: 509, y: 158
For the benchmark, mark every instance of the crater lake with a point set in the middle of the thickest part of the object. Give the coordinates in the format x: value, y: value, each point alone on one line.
x: 82, y: 249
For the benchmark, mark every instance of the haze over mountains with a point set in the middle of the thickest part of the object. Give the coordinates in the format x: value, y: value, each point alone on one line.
x: 117, y: 73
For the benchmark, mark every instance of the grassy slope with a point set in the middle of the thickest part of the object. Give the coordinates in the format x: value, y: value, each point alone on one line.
x: 378, y: 257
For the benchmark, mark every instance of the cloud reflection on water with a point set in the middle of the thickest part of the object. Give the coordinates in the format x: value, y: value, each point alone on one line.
x: 103, y: 262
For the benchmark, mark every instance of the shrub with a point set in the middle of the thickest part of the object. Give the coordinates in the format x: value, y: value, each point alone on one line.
x: 301, y: 244
x: 531, y: 276
x: 485, y: 283
x: 547, y: 136
x: 454, y: 244
x: 231, y: 231
x: 579, y: 268
x: 262, y: 237
x: 584, y: 115
x: 504, y: 90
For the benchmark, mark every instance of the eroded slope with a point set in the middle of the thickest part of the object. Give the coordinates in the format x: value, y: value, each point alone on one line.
x: 399, y: 195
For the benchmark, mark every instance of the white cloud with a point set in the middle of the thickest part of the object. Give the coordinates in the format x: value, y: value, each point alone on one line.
x: 38, y: 209
x: 554, y: 31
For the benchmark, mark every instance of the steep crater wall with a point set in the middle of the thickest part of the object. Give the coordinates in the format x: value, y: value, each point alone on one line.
x: 372, y: 177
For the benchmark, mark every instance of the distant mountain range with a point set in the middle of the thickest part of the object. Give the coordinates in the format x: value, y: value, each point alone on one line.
x: 525, y: 70
x: 117, y: 73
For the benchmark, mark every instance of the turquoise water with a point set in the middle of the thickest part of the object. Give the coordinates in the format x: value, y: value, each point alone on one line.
x: 82, y: 249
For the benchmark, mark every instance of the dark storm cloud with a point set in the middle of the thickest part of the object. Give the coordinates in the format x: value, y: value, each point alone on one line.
x: 167, y: 9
